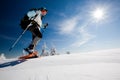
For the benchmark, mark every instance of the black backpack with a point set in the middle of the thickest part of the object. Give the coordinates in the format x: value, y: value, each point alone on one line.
x: 25, y: 22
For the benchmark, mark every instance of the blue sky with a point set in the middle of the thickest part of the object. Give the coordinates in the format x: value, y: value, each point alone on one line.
x: 71, y: 26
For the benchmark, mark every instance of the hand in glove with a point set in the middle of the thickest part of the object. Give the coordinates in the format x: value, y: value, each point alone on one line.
x: 45, y: 25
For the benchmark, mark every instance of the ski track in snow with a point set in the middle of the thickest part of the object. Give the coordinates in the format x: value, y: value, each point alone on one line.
x: 84, y: 66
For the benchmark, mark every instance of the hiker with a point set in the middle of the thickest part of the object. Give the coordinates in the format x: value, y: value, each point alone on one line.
x: 34, y: 17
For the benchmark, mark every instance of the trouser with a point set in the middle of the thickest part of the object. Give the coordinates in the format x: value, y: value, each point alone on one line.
x: 36, y: 36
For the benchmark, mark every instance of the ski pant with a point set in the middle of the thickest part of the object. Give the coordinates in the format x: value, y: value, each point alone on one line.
x: 36, y: 36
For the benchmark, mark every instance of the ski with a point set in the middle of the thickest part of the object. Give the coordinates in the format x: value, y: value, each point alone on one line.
x: 30, y: 55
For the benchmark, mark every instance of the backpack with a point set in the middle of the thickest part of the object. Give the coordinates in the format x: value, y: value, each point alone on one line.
x: 25, y: 20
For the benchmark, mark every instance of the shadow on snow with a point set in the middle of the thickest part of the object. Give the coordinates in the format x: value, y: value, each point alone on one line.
x: 11, y: 63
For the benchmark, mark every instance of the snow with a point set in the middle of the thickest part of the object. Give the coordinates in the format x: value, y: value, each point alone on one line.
x: 98, y: 65
x: 2, y: 56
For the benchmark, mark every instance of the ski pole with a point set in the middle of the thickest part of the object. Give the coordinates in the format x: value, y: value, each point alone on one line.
x: 19, y: 37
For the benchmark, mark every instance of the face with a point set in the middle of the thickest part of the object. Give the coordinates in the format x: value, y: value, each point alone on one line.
x: 44, y: 12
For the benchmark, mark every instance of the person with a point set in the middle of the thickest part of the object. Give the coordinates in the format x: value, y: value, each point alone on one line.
x: 35, y: 17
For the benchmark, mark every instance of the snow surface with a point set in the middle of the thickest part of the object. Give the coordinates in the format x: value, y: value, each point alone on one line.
x: 98, y: 65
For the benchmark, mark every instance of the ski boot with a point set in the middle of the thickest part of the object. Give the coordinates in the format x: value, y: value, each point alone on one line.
x: 33, y: 54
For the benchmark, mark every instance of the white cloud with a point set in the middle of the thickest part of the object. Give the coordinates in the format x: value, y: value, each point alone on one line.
x: 68, y: 25
x: 86, y: 37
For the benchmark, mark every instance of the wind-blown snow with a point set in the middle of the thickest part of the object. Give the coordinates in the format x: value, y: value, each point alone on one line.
x: 99, y: 65
x: 2, y: 56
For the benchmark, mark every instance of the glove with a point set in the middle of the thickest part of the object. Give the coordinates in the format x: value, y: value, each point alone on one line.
x: 45, y: 25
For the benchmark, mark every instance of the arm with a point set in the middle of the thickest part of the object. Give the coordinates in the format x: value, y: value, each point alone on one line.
x: 44, y: 25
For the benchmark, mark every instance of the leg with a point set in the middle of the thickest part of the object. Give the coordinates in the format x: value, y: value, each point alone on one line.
x: 31, y: 46
x: 36, y: 36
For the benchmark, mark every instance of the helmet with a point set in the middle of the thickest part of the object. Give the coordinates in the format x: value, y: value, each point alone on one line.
x: 43, y: 8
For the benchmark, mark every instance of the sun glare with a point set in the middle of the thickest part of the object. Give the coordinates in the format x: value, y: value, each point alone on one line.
x: 98, y: 14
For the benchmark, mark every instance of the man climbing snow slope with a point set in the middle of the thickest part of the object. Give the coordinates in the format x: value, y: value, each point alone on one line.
x: 33, y: 19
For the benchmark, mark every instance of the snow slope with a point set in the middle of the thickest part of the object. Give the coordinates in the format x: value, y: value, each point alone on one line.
x: 99, y: 65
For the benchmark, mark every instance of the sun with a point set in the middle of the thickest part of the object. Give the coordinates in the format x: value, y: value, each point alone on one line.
x: 98, y: 14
